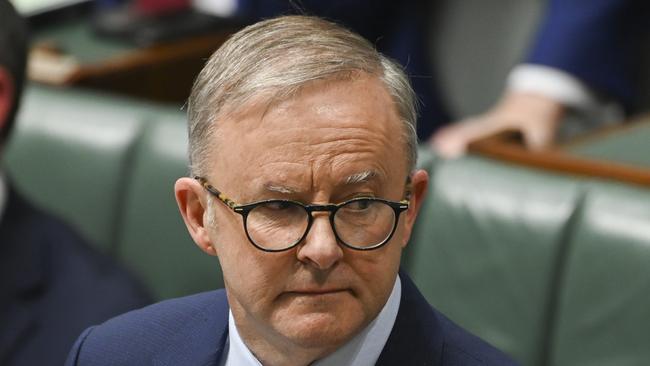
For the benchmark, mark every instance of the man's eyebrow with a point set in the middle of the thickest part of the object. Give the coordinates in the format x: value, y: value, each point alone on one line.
x: 271, y: 187
x: 361, y: 177
x: 357, y: 178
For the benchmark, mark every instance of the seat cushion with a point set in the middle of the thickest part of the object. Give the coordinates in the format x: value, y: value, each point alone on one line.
x: 603, y: 315
x: 69, y: 154
x: 154, y: 241
x: 485, y: 248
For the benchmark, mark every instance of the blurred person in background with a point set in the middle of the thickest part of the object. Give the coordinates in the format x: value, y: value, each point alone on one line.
x: 584, y: 59
x: 398, y: 29
x: 52, y: 283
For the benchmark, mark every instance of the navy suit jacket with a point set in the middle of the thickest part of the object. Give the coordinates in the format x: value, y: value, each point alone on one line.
x: 52, y: 287
x: 597, y: 41
x: 193, y: 331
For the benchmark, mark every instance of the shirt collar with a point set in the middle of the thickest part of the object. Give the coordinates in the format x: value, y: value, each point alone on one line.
x: 362, y: 350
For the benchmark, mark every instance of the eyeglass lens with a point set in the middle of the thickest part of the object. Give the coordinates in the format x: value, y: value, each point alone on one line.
x: 277, y: 225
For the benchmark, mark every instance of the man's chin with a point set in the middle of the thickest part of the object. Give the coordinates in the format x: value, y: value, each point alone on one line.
x: 321, y: 333
x: 320, y: 329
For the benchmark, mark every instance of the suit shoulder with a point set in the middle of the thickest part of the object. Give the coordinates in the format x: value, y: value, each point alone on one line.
x: 463, y: 348
x: 138, y: 336
x: 75, y: 270
x: 169, y: 315
x: 65, y: 284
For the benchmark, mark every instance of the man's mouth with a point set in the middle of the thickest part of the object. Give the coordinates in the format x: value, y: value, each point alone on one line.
x: 318, y: 292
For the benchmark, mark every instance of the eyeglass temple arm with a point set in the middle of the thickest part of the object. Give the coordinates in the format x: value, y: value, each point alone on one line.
x: 217, y: 193
x: 408, y: 190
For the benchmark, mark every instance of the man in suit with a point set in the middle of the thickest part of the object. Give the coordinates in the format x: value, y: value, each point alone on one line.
x: 52, y: 283
x: 302, y: 152
x: 582, y: 61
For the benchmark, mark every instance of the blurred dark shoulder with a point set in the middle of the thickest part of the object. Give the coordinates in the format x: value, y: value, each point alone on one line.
x: 53, y: 285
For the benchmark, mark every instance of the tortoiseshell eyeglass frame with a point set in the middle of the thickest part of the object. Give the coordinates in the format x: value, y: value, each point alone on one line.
x: 245, y: 209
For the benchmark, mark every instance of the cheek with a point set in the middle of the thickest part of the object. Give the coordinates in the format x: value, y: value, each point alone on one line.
x: 402, y: 232
x: 253, y: 277
x: 377, y: 271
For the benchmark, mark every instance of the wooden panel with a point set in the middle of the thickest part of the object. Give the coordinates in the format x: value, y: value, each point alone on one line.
x: 508, y: 146
x: 163, y: 72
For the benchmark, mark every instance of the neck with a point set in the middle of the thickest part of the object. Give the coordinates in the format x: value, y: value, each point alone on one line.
x: 254, y: 342
x: 273, y: 349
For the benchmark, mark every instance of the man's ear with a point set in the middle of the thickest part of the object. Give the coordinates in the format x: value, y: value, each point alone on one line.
x: 419, y: 186
x: 7, y: 95
x: 193, y: 204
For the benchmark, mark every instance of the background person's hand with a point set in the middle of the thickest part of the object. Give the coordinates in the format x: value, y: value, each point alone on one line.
x: 535, y: 116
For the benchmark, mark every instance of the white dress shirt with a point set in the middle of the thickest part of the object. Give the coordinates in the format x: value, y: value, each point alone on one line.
x: 553, y: 83
x: 566, y: 89
x: 362, y: 350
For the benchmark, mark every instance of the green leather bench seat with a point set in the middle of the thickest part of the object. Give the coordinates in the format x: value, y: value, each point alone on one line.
x: 603, y: 313
x: 628, y: 145
x: 108, y: 166
x: 550, y: 268
x: 486, y: 247
x: 73, y: 155
x: 154, y: 240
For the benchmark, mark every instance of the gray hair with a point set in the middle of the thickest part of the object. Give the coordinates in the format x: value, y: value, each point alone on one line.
x: 273, y: 59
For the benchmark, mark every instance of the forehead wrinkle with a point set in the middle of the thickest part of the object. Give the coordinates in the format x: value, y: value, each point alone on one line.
x: 350, y: 140
x: 326, y: 149
x: 342, y: 142
x: 290, y: 138
x: 362, y: 129
x: 275, y: 174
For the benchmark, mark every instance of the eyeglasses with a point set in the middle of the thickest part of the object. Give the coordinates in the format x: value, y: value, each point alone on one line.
x: 362, y: 223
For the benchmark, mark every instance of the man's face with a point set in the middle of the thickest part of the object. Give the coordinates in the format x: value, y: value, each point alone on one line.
x: 320, y: 293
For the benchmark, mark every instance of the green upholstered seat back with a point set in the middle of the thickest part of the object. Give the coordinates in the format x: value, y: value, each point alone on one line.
x: 153, y: 238
x: 70, y: 153
x: 486, y: 246
x: 603, y: 312
x: 107, y: 165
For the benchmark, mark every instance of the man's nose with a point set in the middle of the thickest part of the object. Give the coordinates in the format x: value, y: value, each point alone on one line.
x: 320, y: 248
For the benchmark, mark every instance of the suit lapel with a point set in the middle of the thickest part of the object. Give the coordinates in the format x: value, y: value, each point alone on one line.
x: 203, y: 340
x: 416, y: 338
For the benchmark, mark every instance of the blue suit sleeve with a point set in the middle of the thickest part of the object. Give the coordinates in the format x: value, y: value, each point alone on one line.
x: 73, y: 356
x: 594, y: 40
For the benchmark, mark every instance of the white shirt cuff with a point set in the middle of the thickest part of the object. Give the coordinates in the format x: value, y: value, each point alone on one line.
x: 221, y: 8
x: 553, y: 83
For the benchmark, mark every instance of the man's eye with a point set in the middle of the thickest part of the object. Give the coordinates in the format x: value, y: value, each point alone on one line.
x: 359, y: 205
x: 278, y: 205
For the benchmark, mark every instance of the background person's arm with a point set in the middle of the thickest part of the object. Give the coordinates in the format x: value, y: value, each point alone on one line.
x: 582, y: 49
